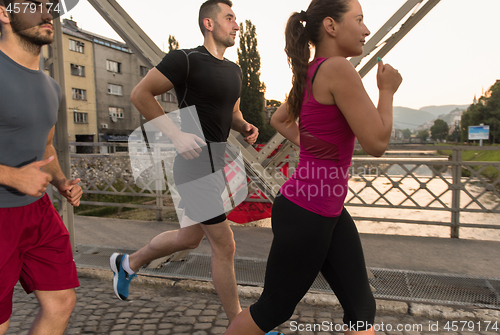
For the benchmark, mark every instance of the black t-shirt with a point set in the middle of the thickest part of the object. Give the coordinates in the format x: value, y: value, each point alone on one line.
x: 210, y: 84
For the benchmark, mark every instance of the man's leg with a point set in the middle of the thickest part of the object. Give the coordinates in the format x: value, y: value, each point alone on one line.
x: 125, y: 266
x: 165, y: 244
x: 55, y: 310
x: 221, y: 239
x: 49, y: 269
x: 4, y: 326
x: 5, y: 310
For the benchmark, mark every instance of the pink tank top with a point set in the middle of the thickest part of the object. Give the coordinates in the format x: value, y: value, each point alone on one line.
x: 319, y: 184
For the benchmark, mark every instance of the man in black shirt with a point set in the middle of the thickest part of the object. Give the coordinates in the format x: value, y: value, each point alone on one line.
x: 203, y: 78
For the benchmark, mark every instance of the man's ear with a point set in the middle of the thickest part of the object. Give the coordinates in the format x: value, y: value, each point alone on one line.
x: 208, y: 23
x: 4, y: 15
x: 330, y: 26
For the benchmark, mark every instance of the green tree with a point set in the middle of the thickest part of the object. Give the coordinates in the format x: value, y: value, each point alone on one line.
x: 274, y: 103
x: 473, y: 116
x: 439, y: 130
x: 266, y: 133
x: 407, y: 134
x: 423, y: 135
x: 455, y: 135
x: 172, y: 43
x: 464, y: 124
x: 252, y: 90
x: 487, y: 111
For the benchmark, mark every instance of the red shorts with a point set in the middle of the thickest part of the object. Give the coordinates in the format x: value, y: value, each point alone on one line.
x: 34, y: 249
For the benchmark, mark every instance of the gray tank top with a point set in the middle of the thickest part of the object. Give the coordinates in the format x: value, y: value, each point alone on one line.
x: 29, y: 101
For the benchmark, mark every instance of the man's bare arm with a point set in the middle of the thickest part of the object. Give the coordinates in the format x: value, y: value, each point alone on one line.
x: 143, y: 98
x: 68, y: 188
x: 240, y: 125
x: 29, y: 179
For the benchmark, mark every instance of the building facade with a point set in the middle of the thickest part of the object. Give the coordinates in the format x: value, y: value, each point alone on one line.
x: 100, y: 74
x: 78, y: 63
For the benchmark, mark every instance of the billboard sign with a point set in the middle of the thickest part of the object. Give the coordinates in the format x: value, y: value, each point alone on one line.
x: 479, y: 132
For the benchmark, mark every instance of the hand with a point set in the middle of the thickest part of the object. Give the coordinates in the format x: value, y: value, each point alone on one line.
x: 71, y: 191
x: 30, y: 180
x: 188, y: 145
x: 251, y: 133
x: 388, y: 78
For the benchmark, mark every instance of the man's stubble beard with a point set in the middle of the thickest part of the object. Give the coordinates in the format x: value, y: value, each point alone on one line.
x: 226, y: 42
x: 30, y: 41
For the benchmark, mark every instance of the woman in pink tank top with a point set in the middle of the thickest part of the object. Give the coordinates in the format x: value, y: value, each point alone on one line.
x: 326, y: 109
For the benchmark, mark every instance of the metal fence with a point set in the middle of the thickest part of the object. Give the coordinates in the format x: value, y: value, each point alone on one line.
x: 429, y: 183
x: 411, y: 178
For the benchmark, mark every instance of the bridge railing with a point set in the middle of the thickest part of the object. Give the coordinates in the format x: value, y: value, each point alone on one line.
x: 407, y: 178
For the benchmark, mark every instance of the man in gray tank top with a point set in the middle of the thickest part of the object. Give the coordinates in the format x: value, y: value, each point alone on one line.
x: 34, y: 243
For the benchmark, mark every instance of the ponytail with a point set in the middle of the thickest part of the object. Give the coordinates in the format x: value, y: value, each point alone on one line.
x: 298, y: 52
x: 298, y: 40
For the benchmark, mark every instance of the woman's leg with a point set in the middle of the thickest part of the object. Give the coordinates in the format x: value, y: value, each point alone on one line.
x: 345, y: 271
x: 300, y: 245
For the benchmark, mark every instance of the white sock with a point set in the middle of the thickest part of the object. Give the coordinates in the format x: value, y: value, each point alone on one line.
x: 126, y: 265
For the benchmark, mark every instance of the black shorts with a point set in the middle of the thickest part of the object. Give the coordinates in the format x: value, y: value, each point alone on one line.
x: 201, y: 183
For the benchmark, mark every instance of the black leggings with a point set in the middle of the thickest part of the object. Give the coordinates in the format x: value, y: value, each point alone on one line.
x: 304, y: 244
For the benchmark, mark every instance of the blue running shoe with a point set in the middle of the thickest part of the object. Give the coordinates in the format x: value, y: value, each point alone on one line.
x: 121, y: 279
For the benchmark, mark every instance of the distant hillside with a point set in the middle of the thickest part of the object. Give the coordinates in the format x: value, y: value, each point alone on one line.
x: 440, y: 110
x: 453, y: 116
x: 405, y: 117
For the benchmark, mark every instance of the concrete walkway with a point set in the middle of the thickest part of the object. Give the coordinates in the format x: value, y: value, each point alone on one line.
x: 429, y: 254
x: 168, y: 309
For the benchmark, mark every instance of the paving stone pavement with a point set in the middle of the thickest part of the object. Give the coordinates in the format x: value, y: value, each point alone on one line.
x: 160, y: 309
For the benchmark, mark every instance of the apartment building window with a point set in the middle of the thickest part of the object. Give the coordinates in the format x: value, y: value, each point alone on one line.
x: 79, y: 94
x: 143, y: 71
x: 77, y: 70
x: 113, y: 66
x: 116, y: 111
x: 80, y: 117
x: 76, y: 46
x: 115, y: 89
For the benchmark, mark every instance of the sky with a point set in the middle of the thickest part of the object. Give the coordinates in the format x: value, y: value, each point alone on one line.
x: 450, y: 56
